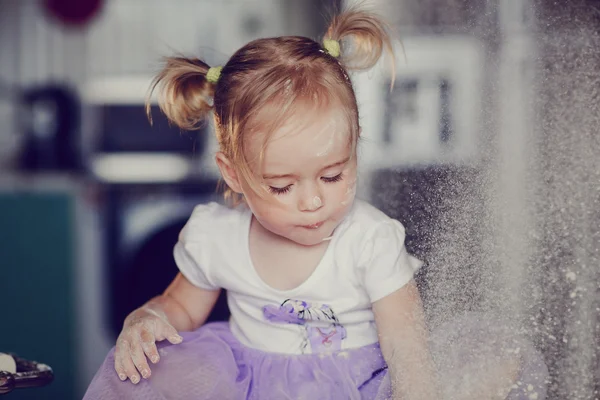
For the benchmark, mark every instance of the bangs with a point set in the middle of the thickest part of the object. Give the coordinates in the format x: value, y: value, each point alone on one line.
x: 300, y: 100
x: 300, y: 105
x: 301, y: 108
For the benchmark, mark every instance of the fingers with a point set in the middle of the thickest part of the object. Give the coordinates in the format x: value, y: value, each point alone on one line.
x: 138, y: 341
x: 120, y: 370
x: 123, y: 362
x: 174, y: 338
x: 166, y: 331
x: 130, y: 370
x: 139, y: 359
x: 149, y: 346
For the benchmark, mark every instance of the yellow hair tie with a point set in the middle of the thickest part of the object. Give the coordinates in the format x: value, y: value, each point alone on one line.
x: 332, y: 47
x: 213, y: 74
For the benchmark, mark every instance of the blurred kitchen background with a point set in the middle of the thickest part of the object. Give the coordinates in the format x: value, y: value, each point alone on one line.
x: 486, y: 149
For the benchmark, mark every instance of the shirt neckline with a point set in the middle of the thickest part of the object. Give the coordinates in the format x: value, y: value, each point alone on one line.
x: 246, y: 242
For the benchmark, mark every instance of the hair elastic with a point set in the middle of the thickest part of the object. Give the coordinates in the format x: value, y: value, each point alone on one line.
x: 332, y: 47
x: 213, y: 74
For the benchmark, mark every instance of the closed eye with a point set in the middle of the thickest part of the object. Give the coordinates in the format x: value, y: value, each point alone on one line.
x: 286, y: 189
x: 283, y: 190
x: 331, y: 179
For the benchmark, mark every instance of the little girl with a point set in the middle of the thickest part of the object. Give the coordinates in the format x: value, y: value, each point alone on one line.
x: 320, y: 285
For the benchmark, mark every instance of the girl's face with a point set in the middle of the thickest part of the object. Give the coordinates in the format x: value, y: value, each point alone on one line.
x: 309, y: 170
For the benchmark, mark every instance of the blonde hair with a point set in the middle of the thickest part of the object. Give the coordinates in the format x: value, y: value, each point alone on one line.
x: 281, y: 71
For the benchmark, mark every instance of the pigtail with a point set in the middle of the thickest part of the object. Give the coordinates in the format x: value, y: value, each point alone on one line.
x: 185, y: 94
x: 364, y: 36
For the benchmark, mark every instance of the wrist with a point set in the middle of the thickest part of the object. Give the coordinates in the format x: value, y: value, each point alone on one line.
x: 151, y: 308
x: 156, y: 307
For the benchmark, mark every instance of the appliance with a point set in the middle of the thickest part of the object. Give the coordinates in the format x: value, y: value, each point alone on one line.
x: 432, y: 114
x: 124, y: 147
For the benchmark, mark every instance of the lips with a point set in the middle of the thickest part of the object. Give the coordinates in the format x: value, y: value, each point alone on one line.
x: 313, y: 226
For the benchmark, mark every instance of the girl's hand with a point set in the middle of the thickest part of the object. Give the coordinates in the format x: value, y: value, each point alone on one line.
x: 141, y: 329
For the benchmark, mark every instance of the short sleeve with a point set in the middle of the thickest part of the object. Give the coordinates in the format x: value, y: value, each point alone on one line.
x: 192, y: 251
x: 190, y: 268
x: 386, y: 262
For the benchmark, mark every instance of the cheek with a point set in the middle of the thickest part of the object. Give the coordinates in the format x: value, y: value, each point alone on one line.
x: 341, y: 195
x: 347, y: 188
x: 257, y: 205
x: 350, y: 191
x: 270, y: 212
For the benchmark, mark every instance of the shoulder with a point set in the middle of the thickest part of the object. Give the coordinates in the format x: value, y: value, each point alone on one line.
x: 211, y: 220
x: 366, y: 221
x: 376, y: 244
x: 206, y: 241
x: 364, y: 212
x: 367, y: 231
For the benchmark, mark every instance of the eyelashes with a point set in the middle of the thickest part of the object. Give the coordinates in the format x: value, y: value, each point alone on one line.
x: 332, y: 179
x: 286, y: 189
x: 282, y: 190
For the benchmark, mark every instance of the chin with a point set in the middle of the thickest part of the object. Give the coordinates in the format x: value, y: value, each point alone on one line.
x: 311, y: 242
x: 311, y: 239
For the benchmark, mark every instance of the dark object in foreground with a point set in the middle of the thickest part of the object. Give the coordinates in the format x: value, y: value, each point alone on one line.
x: 29, y: 374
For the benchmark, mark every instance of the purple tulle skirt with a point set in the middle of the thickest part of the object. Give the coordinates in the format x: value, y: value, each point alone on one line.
x: 211, y: 363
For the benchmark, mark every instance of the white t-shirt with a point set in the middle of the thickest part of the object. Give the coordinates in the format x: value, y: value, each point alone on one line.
x: 365, y: 261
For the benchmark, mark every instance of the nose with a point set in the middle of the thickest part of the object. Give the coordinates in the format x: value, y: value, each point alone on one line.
x: 311, y: 200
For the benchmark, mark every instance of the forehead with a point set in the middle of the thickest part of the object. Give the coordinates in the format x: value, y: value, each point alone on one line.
x: 308, y: 138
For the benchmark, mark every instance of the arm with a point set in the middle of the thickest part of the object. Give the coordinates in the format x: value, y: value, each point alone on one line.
x: 184, y: 305
x: 403, y: 340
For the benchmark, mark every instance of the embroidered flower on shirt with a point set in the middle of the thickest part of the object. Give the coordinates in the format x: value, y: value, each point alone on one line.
x: 321, y: 328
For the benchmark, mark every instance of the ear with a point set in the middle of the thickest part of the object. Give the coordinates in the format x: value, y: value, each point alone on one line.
x: 228, y: 172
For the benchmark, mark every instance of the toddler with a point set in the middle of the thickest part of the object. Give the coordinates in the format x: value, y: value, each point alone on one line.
x: 319, y: 284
